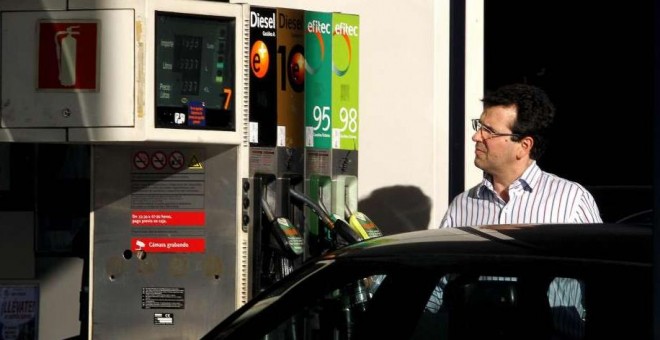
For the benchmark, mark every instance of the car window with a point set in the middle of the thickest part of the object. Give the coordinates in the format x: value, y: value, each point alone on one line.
x: 406, y: 302
x: 507, y: 307
x: 460, y: 306
x: 330, y: 316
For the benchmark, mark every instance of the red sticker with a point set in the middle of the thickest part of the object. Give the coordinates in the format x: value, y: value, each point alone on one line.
x: 68, y: 55
x: 169, y: 245
x: 168, y: 218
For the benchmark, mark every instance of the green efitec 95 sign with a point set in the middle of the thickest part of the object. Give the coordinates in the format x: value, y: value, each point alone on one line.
x: 332, y: 83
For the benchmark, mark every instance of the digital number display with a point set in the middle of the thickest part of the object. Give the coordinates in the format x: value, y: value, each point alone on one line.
x: 187, y: 61
x: 195, y: 78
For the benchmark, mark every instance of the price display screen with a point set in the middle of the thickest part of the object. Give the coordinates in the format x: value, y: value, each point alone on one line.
x: 195, y: 79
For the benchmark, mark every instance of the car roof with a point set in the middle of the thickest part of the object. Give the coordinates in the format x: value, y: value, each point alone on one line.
x: 603, y: 241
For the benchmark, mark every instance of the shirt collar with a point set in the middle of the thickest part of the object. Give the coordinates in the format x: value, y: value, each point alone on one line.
x: 528, y: 181
x: 531, y: 177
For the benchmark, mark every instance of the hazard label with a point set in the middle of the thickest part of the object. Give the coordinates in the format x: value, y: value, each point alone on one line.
x: 195, y: 163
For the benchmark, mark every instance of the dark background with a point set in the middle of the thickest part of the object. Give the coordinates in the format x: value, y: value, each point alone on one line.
x: 596, y: 62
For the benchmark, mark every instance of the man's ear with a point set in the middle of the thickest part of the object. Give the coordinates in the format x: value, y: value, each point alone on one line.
x: 526, y: 144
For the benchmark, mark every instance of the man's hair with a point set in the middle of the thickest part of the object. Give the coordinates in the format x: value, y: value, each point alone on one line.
x: 535, y: 112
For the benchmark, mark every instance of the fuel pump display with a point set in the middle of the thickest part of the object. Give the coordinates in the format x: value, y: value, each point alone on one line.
x: 194, y: 73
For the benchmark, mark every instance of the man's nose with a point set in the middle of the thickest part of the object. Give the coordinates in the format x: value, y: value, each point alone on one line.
x: 476, y: 136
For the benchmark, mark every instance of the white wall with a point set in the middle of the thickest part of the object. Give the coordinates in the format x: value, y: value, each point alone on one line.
x: 404, y: 65
x: 474, y: 82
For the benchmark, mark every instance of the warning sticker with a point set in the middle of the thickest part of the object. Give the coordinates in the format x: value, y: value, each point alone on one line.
x: 196, y: 113
x: 168, y: 218
x: 141, y: 160
x: 176, y: 160
x: 163, y: 298
x: 195, y: 163
x: 169, y: 245
x: 167, y: 200
x: 159, y: 160
x: 169, y: 161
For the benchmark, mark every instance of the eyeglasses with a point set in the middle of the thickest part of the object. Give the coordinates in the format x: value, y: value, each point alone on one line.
x: 488, y: 133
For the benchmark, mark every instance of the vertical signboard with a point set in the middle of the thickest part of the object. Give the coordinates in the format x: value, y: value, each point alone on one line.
x: 290, y: 78
x: 318, y: 67
x: 263, y: 77
x: 277, y: 84
x: 345, y: 81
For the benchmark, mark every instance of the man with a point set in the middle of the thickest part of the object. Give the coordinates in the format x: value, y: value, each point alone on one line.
x: 510, y: 136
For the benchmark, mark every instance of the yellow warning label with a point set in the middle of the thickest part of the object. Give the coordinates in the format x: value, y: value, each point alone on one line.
x: 194, y: 163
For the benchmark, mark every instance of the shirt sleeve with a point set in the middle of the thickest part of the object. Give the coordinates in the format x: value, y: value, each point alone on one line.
x: 587, y: 209
x: 448, y: 219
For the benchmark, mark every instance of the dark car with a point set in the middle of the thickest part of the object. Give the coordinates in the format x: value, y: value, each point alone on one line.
x: 587, y: 281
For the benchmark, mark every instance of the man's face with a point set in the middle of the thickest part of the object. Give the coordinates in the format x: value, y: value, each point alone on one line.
x: 495, y: 153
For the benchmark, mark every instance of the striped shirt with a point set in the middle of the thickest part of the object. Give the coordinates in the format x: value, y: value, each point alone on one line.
x: 535, y: 197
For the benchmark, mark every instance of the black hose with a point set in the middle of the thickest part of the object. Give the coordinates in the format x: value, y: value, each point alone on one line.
x: 314, y: 206
x: 342, y: 228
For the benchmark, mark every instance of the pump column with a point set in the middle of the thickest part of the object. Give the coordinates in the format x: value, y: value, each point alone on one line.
x: 331, y: 118
x: 156, y: 89
x: 276, y: 142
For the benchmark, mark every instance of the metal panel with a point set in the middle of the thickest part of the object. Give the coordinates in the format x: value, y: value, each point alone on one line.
x: 31, y: 53
x: 138, y: 197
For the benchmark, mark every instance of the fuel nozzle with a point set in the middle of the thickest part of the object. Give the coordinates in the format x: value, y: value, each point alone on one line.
x: 337, y: 225
x: 287, y: 235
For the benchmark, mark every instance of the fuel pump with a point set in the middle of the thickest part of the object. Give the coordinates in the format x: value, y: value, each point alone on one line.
x: 330, y: 227
x: 276, y: 142
x: 278, y: 243
x: 158, y: 91
x: 331, y: 115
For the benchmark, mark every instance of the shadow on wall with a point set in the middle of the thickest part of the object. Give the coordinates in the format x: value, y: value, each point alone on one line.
x: 397, y: 209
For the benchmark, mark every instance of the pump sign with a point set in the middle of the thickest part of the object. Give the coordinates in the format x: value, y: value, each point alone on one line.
x: 68, y: 54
